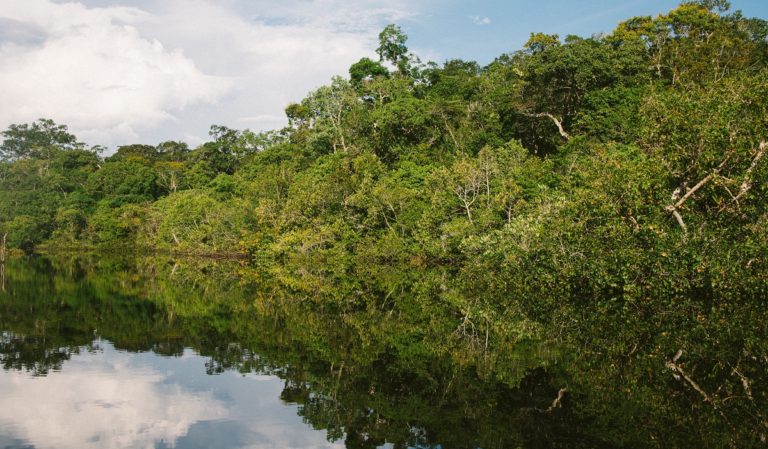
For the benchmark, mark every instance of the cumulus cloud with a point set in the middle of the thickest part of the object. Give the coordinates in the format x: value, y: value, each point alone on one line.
x: 478, y: 20
x: 90, y: 68
x: 164, y: 70
x: 276, y: 50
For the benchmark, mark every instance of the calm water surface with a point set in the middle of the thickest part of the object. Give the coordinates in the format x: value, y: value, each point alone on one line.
x: 162, y: 353
x: 107, y: 398
x: 165, y: 353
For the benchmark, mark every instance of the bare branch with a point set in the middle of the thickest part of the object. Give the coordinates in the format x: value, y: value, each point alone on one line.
x: 672, y: 364
x: 693, y: 190
x: 677, y: 216
x: 744, y: 383
x: 556, y: 120
x: 450, y: 132
x: 747, y: 184
x: 673, y: 208
x: 558, y: 402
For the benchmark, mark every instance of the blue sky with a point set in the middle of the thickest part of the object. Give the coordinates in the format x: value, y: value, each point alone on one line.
x: 144, y: 71
x: 450, y: 31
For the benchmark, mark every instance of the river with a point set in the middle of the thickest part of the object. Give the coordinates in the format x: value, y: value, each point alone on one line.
x: 161, y: 353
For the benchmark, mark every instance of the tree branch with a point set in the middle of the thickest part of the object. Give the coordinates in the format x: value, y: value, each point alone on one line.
x: 673, y: 208
x: 747, y: 184
x: 450, y: 132
x: 554, y: 119
x: 558, y: 402
x: 672, y: 364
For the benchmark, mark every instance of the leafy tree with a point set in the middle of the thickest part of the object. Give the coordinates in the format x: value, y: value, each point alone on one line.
x: 123, y: 182
x: 365, y: 69
x: 392, y: 49
x: 171, y: 176
x: 194, y: 221
x: 173, y: 151
x: 36, y: 140
x: 146, y: 153
x: 327, y: 108
x: 24, y: 231
x: 539, y: 42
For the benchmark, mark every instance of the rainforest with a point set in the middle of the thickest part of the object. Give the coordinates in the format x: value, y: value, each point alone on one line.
x: 586, y: 218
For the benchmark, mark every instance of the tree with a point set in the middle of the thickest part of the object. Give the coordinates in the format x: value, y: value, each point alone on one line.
x: 365, y: 69
x: 298, y: 115
x: 173, y: 150
x: 36, y: 140
x: 220, y: 155
x: 327, y: 107
x: 712, y: 5
x: 194, y: 220
x: 137, y: 152
x: 170, y: 175
x: 539, y: 42
x: 696, y: 44
x: 392, y: 48
x: 24, y: 232
x: 123, y: 182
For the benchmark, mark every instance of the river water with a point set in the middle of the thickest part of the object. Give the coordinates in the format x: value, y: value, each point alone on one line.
x: 162, y: 353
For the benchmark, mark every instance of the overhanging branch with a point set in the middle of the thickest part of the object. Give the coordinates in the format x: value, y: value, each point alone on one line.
x: 558, y: 122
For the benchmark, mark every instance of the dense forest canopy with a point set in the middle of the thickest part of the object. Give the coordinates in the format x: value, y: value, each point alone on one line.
x: 405, y: 151
x: 608, y: 192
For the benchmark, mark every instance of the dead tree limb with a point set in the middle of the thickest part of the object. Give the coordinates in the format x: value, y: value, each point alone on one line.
x: 747, y: 183
x: 672, y: 364
x: 674, y: 209
x: 558, y: 402
x: 450, y: 132
x: 744, y: 383
x: 558, y: 122
x: 2, y: 261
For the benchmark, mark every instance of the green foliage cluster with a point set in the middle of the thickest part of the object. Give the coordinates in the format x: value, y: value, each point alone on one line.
x: 607, y: 192
x: 55, y: 191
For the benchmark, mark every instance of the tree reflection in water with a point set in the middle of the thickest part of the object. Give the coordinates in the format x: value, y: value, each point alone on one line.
x: 369, y: 361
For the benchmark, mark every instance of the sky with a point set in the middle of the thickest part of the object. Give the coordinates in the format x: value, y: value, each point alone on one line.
x: 119, y: 72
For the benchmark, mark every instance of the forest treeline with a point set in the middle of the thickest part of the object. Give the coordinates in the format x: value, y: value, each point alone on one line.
x: 652, y: 135
x: 607, y: 191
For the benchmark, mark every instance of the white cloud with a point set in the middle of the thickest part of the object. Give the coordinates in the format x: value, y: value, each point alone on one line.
x: 101, y: 401
x: 164, y: 70
x: 477, y: 20
x: 92, y: 70
x: 277, y: 50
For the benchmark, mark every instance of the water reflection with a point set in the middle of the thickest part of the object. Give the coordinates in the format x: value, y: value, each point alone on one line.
x: 160, y: 353
x: 267, y: 368
x: 105, y: 398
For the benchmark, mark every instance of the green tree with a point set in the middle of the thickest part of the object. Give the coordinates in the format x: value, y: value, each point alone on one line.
x: 392, y: 48
x: 365, y: 69
x: 137, y: 152
x: 123, y: 182
x: 36, y: 140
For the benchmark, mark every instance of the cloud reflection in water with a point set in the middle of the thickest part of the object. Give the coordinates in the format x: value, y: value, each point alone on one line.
x: 113, y: 399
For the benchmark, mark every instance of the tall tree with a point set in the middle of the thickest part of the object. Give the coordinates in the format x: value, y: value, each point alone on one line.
x: 36, y: 140
x: 392, y: 48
